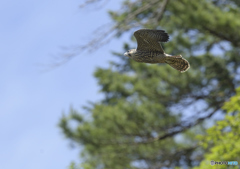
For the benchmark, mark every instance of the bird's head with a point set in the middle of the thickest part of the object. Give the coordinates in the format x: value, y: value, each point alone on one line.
x: 130, y: 53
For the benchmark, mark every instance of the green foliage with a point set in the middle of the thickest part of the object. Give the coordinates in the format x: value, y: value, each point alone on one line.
x: 222, y: 140
x: 142, y: 121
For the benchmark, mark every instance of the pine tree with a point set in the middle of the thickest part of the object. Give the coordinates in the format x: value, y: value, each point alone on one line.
x: 222, y: 140
x: 151, y: 113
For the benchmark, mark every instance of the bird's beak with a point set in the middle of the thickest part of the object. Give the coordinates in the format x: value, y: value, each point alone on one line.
x: 125, y: 54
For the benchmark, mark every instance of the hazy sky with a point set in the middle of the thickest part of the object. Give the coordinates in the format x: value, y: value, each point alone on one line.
x: 32, y: 102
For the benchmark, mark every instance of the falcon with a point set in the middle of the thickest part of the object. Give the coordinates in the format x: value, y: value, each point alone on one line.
x: 149, y: 50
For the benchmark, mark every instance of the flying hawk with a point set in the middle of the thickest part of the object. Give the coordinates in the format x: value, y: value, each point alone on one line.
x: 149, y: 50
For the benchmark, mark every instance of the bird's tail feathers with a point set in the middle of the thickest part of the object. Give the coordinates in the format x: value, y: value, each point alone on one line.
x: 178, y: 62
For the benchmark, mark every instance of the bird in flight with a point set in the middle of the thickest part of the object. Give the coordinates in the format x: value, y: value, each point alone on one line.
x: 149, y: 50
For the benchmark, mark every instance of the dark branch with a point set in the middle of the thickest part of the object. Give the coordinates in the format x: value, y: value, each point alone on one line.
x: 174, y: 131
x: 222, y: 36
x: 160, y: 15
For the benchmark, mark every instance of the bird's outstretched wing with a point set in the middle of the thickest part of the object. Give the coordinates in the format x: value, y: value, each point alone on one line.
x: 149, y: 40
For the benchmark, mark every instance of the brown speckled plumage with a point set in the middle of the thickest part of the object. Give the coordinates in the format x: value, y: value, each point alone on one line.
x: 149, y: 50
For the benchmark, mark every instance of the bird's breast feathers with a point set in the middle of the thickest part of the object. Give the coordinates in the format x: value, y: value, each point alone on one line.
x: 149, y: 57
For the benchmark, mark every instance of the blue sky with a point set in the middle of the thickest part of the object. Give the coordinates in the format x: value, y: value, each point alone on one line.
x: 32, y: 101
